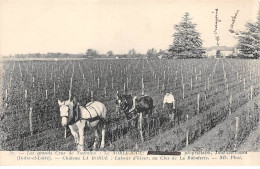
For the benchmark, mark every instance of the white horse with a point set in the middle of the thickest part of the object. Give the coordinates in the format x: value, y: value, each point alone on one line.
x: 78, y: 117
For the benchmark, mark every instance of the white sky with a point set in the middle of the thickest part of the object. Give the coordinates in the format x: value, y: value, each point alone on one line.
x: 73, y: 26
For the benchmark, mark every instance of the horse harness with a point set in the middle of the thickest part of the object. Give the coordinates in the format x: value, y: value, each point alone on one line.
x: 92, y: 118
x: 76, y: 116
x: 126, y: 108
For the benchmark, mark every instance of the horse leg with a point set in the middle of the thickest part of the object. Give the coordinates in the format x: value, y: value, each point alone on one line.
x: 96, y: 139
x: 74, y: 133
x: 148, y: 122
x: 141, y: 126
x: 102, y: 145
x: 81, y: 126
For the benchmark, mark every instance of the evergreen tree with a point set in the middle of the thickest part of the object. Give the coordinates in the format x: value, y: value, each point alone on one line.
x: 249, y: 40
x: 187, y: 42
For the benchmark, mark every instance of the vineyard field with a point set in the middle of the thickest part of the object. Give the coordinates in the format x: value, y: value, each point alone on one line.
x: 208, y: 92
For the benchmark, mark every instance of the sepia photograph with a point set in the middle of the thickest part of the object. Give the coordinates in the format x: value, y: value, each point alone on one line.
x: 173, y: 79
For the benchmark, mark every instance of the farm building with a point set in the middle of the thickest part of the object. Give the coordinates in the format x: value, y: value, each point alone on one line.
x: 224, y: 51
x: 162, y: 54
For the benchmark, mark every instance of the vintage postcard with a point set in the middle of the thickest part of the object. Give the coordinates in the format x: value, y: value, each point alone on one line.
x: 130, y: 82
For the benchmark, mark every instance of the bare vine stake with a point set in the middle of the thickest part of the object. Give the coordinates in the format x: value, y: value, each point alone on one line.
x: 127, y: 81
x: 92, y: 96
x: 130, y: 79
x: 142, y: 86
x: 54, y: 90
x: 225, y: 77
x: 237, y: 123
x: 244, y: 83
x: 175, y: 82
x: 25, y: 94
x: 71, y: 79
x: 88, y: 88
x: 251, y: 92
x: 98, y: 82
x: 112, y: 84
x: 30, y: 119
x: 183, y: 88
x: 208, y: 84
x: 227, y: 89
x: 6, y: 94
x: 164, y: 76
x: 46, y: 94
x: 198, y: 104
x: 187, y: 138
x: 182, y: 79
x: 148, y: 126
x: 69, y: 94
x: 158, y: 83
x: 168, y: 80
x: 140, y: 126
x: 250, y: 75
x: 105, y: 90
x: 125, y: 88
x: 230, y: 104
x: 191, y: 83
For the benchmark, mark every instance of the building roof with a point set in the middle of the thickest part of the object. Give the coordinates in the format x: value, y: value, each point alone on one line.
x: 221, y: 48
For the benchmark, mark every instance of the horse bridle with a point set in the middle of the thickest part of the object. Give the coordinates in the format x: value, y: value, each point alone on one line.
x: 125, y: 107
x: 68, y: 111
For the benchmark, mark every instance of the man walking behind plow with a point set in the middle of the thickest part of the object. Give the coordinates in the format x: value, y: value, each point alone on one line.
x: 169, y: 105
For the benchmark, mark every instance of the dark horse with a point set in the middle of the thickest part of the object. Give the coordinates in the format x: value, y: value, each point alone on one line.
x: 135, y: 107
